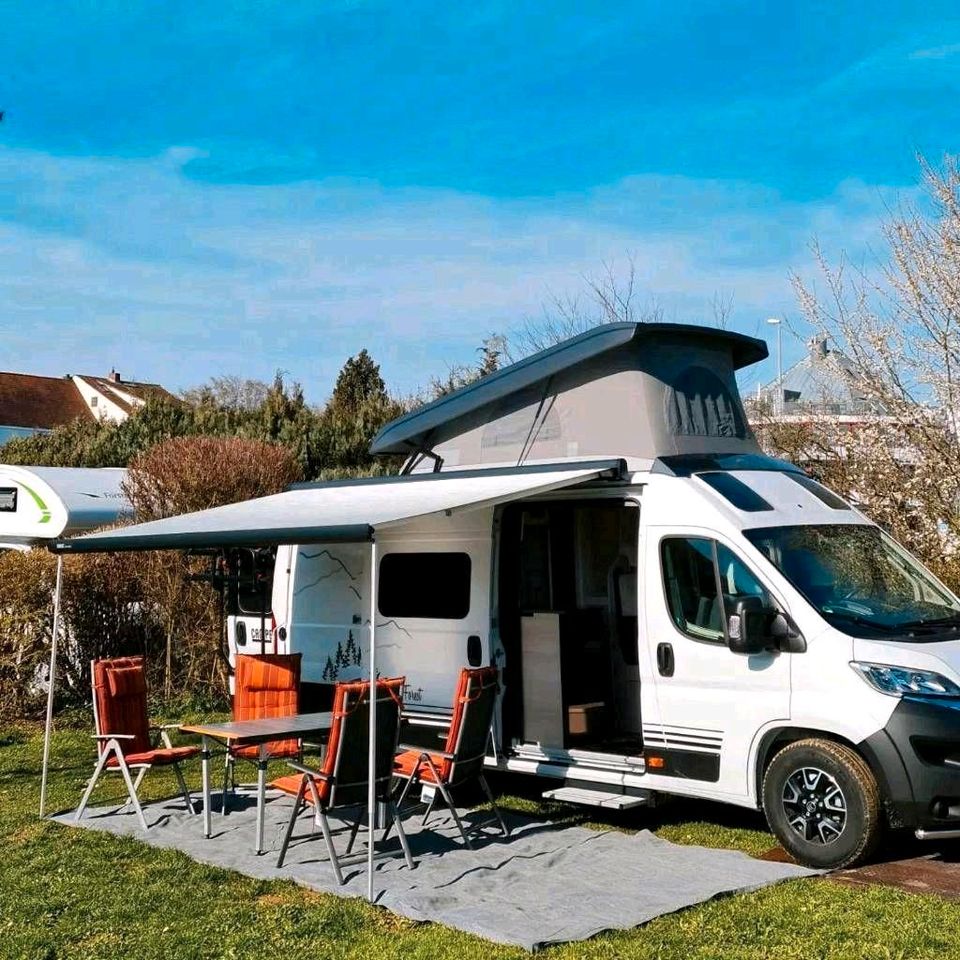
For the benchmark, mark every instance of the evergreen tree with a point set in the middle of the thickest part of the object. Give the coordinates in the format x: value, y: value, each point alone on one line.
x: 358, y: 384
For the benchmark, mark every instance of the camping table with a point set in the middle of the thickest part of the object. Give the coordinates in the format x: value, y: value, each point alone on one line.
x: 243, y: 733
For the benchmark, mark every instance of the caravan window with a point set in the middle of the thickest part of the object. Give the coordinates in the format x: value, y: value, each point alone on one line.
x: 431, y: 585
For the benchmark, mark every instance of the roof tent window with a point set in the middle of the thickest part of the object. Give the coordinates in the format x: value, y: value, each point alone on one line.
x: 434, y: 586
x: 699, y: 404
x: 8, y: 499
x: 819, y: 491
x: 735, y: 491
x: 518, y: 429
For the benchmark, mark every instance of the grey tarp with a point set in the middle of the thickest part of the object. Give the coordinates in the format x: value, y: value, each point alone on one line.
x: 544, y: 884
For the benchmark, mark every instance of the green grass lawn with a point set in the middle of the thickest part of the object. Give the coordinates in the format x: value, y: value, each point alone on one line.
x: 78, y: 893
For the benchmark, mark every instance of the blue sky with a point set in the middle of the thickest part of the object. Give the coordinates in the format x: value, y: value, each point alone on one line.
x: 189, y: 189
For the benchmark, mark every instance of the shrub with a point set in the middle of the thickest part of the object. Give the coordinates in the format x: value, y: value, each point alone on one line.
x: 181, y: 476
x: 100, y: 616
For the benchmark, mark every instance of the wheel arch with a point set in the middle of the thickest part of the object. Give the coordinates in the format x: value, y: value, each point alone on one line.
x: 886, y: 770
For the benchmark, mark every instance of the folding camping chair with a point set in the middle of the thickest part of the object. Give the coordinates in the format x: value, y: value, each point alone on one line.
x: 343, y: 781
x: 264, y: 686
x: 463, y: 753
x: 123, y: 731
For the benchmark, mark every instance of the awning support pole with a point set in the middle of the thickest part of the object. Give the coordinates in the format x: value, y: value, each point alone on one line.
x: 48, y: 729
x: 372, y: 752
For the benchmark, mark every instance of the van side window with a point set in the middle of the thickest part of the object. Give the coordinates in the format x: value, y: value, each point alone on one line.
x: 430, y: 585
x: 738, y: 581
x: 692, y: 569
x: 690, y: 581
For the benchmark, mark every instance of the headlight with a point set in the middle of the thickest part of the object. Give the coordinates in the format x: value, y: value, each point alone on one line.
x: 901, y: 681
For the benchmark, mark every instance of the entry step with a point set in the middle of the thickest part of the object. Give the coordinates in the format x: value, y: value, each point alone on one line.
x: 596, y: 798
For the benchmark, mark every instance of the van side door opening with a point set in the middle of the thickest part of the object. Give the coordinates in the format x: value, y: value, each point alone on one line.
x: 567, y: 620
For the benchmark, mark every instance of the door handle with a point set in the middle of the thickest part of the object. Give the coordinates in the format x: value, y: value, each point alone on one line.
x: 665, y: 661
x: 474, y: 651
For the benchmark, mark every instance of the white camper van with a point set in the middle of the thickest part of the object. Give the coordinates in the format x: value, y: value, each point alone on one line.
x: 39, y: 504
x: 697, y: 620
x: 672, y: 612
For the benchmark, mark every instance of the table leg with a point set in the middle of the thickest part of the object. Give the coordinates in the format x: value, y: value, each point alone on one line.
x: 205, y: 777
x: 261, y: 794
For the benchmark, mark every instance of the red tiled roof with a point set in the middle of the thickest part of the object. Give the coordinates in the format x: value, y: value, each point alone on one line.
x: 40, y: 402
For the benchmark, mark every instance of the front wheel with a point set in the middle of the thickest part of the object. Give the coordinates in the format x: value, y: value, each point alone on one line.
x: 823, y: 803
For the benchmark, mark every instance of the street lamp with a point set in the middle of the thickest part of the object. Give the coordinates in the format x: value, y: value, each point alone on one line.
x: 778, y: 405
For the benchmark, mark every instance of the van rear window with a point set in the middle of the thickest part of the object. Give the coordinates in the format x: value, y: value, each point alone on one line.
x: 430, y: 585
x: 735, y: 491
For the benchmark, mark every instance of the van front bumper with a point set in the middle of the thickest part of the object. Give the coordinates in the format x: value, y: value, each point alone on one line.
x: 916, y: 757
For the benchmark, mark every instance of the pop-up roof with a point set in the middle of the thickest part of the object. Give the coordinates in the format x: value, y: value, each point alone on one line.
x: 39, y: 504
x: 639, y: 390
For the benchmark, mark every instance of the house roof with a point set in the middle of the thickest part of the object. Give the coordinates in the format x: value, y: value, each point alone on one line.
x: 115, y: 390
x: 39, y: 402
x: 410, y: 432
x: 825, y: 377
x: 43, y: 403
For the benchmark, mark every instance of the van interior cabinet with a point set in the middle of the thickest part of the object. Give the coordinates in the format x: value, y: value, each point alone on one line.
x: 542, y: 700
x: 565, y: 686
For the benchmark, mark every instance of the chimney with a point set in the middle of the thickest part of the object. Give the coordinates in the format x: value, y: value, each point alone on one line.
x: 818, y: 348
x: 114, y: 376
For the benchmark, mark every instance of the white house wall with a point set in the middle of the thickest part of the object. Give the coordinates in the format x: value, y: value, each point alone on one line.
x: 105, y: 409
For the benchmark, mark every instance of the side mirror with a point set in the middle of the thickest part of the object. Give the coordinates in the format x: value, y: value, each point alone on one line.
x: 787, y: 635
x: 753, y: 628
x: 748, y: 627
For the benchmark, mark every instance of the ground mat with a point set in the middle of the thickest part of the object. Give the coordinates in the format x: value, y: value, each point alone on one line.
x: 544, y: 884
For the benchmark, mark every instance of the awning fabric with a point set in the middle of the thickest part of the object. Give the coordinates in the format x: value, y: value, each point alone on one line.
x: 339, y: 512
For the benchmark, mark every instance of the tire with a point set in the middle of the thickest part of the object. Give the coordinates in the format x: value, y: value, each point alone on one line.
x: 823, y: 803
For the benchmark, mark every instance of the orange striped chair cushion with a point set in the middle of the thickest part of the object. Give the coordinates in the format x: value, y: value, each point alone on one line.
x: 267, y: 686
x: 120, y: 690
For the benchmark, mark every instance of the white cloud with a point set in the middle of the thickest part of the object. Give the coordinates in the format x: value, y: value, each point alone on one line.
x: 133, y: 264
x: 936, y: 53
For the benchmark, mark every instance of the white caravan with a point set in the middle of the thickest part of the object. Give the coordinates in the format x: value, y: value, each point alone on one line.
x: 39, y: 504
x: 672, y: 612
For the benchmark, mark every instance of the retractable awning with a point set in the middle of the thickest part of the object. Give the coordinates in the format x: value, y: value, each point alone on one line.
x: 340, y: 512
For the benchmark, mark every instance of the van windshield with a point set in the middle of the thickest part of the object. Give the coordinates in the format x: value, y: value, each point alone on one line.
x: 860, y: 580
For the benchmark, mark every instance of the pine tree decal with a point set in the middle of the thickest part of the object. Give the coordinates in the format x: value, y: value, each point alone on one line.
x: 353, y: 648
x: 340, y: 659
x: 329, y: 671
